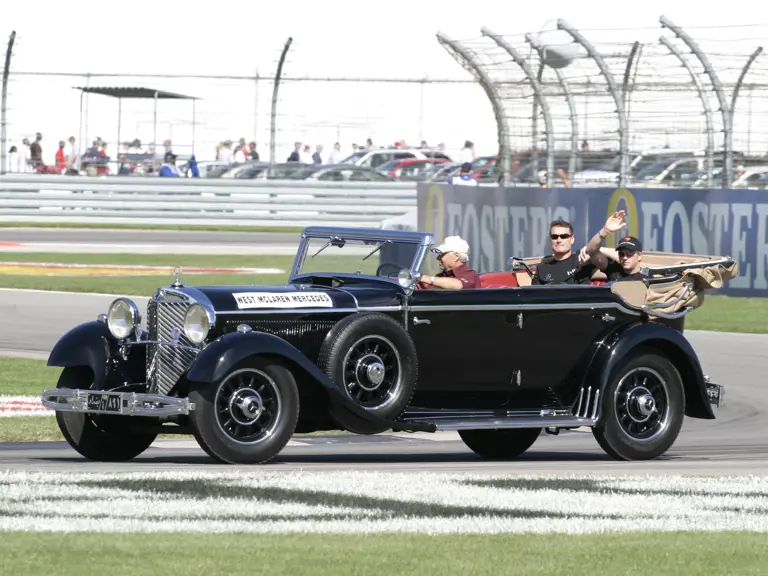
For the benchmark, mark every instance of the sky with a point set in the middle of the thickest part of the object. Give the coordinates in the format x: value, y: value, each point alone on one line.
x: 341, y: 38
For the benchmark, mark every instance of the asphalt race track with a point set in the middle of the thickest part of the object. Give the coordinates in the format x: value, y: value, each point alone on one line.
x: 733, y: 444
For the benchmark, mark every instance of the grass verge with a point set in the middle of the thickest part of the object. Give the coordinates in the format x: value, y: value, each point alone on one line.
x: 185, y: 227
x: 673, y: 554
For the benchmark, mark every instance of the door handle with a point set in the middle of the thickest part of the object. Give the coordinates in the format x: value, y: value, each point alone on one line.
x: 417, y: 321
x: 605, y: 317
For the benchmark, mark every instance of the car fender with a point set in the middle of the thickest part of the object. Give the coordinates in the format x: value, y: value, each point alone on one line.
x: 613, y: 349
x: 84, y: 345
x: 221, y: 356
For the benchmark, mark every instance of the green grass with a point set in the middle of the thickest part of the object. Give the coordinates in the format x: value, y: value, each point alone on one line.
x: 186, y: 227
x: 728, y: 314
x: 672, y: 554
x: 26, y: 376
x: 30, y: 429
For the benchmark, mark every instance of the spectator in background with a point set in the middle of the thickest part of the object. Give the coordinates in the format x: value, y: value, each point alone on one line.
x: 317, y: 157
x: 306, y: 155
x: 253, y: 154
x: 467, y: 153
x: 335, y: 156
x: 36, y: 151
x: 14, y: 160
x: 225, y: 152
x: 92, y: 159
x: 295, y: 156
x: 369, y: 143
x: 61, y: 157
x: 240, y: 154
x: 73, y: 158
x: 464, y: 177
x: 169, y: 168
x: 103, y: 168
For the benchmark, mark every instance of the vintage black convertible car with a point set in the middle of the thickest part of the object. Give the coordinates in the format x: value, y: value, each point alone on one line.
x: 352, y: 343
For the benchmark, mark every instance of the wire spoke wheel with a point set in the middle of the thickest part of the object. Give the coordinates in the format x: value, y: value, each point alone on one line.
x: 642, y: 404
x: 372, y: 372
x: 248, y: 406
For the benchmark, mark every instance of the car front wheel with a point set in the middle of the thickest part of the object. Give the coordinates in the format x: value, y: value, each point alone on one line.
x: 643, y: 408
x: 249, y: 415
x: 100, y: 437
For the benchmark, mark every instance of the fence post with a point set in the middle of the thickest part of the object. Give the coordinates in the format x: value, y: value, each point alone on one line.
x: 613, y: 89
x: 740, y: 80
x: 4, y: 103
x: 573, y: 113
x: 725, y: 109
x: 273, y: 113
x: 704, y: 102
x: 540, y: 98
x: 470, y: 63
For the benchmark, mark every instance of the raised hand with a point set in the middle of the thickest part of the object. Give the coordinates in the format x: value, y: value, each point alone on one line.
x: 616, y: 222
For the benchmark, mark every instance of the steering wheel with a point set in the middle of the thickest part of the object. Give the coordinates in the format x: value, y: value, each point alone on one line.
x: 394, y: 268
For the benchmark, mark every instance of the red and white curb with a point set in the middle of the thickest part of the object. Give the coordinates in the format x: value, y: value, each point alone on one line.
x: 22, y: 406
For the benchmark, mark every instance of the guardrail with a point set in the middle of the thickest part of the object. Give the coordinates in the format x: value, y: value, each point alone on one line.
x: 219, y: 201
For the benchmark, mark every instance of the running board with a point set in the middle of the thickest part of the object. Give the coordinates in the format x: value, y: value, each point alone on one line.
x: 584, y: 412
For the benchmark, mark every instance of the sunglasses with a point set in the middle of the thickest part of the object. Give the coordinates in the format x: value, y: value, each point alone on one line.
x: 626, y: 253
x: 561, y: 236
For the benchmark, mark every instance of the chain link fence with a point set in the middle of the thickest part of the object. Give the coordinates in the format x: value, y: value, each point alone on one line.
x: 570, y: 104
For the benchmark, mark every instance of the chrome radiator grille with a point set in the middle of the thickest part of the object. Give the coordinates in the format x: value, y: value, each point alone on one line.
x: 166, y: 364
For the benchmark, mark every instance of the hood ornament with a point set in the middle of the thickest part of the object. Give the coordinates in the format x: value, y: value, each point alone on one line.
x: 176, y: 278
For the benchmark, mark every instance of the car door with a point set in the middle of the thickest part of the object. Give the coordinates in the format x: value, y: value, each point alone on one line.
x: 556, y: 339
x: 465, y: 340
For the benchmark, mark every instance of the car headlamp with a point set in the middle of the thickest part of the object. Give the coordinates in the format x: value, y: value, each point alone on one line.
x: 198, y: 322
x: 123, y: 318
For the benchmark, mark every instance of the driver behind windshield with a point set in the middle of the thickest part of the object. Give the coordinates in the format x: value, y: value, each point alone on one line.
x: 563, y: 266
x: 452, y: 256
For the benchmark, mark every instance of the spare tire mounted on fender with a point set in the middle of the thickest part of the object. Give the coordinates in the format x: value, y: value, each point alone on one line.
x: 373, y: 359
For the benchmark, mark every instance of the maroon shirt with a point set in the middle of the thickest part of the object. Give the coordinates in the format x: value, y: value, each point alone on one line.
x: 468, y: 277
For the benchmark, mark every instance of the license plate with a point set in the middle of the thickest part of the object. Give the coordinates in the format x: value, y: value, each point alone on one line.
x: 105, y: 402
x: 716, y: 394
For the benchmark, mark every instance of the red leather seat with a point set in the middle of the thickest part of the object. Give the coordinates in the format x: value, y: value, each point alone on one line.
x: 498, y: 280
x: 597, y: 282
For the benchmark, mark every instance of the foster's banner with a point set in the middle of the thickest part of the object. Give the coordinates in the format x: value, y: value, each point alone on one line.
x: 499, y: 222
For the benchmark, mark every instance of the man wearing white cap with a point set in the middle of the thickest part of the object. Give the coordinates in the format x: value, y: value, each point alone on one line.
x: 452, y: 255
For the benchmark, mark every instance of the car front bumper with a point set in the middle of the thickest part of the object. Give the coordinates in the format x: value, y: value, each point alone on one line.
x: 114, y: 403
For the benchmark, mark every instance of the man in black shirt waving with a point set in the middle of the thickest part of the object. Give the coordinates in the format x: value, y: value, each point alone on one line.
x: 623, y: 263
x: 563, y: 266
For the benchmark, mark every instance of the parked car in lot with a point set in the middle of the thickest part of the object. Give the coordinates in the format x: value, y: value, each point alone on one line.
x: 352, y: 343
x: 412, y: 169
x: 374, y: 157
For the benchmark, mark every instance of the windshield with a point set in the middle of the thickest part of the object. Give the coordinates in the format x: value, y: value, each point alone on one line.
x: 654, y: 169
x: 354, y: 157
x: 363, y: 257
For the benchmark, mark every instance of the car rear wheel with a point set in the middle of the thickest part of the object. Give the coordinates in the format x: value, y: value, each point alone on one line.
x: 500, y: 444
x: 643, y: 408
x: 373, y: 359
x: 99, y: 437
x: 249, y: 415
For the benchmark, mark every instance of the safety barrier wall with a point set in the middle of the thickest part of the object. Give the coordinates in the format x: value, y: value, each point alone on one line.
x: 219, y: 201
x: 502, y: 222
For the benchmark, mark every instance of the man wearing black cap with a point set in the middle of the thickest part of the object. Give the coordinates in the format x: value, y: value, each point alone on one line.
x: 624, y: 263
